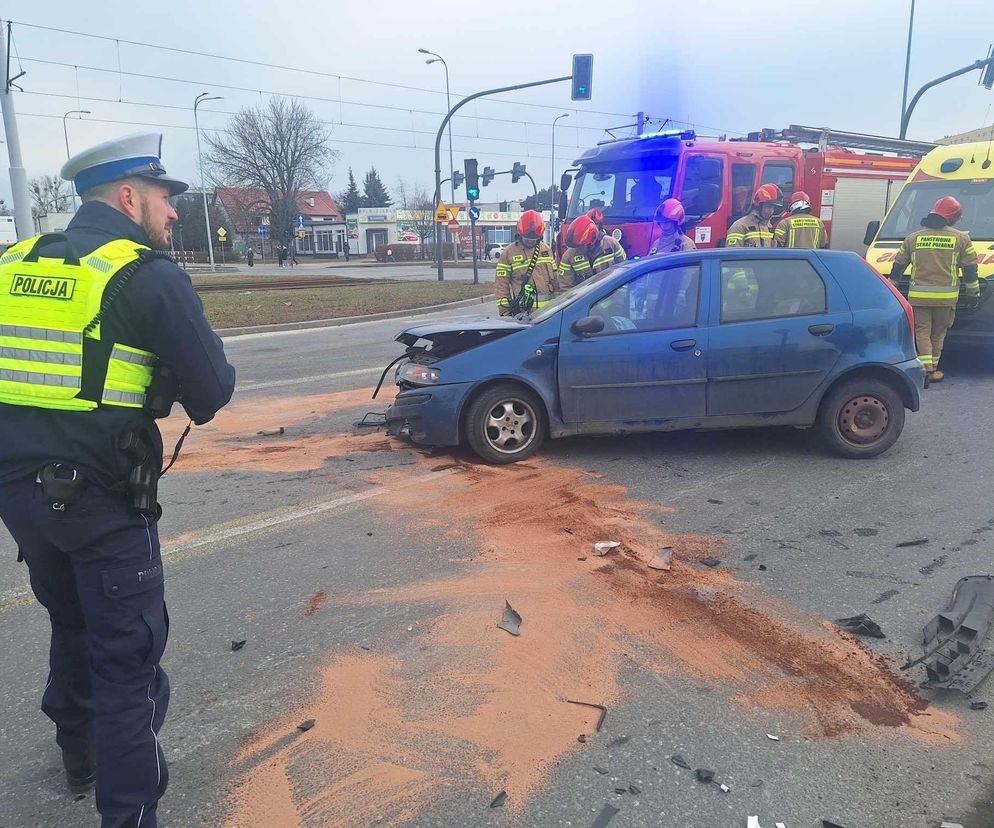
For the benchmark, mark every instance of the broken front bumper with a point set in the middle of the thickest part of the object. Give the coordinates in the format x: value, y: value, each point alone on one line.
x: 428, y: 415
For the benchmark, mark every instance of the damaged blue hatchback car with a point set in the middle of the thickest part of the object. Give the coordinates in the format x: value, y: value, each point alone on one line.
x: 705, y: 339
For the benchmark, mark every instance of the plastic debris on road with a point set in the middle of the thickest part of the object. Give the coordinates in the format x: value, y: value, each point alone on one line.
x: 956, y: 657
x: 772, y: 738
x: 978, y: 705
x: 860, y: 624
x: 271, y: 432
x: 601, y: 548
x: 237, y: 645
x: 951, y: 825
x: 499, y: 800
x: 307, y: 725
x: 608, y: 812
x: 907, y: 543
x: 662, y: 559
x: 704, y: 775
x: 511, y: 621
x: 712, y: 562
x: 680, y: 762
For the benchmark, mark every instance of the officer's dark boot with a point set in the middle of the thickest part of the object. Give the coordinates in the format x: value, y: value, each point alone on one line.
x: 81, y: 770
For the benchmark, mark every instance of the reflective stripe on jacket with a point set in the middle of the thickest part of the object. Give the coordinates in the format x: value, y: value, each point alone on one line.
x: 802, y: 231
x: 51, y: 352
x: 576, y: 265
x: 674, y: 244
x: 937, y: 258
x: 750, y: 231
x: 512, y: 267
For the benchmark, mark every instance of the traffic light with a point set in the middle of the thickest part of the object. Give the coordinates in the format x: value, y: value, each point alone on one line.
x: 472, y: 179
x: 457, y: 179
x: 517, y: 170
x: 583, y: 75
x: 488, y: 175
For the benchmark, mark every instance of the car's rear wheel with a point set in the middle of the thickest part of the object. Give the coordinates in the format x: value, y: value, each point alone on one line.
x: 862, y: 418
x: 505, y: 423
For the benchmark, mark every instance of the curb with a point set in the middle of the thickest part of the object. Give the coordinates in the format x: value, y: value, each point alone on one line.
x: 349, y: 320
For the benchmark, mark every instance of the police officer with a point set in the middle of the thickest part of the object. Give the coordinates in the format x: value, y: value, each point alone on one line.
x: 942, y: 258
x: 669, y: 218
x: 588, y: 251
x: 525, y: 277
x: 91, y: 324
x: 755, y: 228
x: 800, y: 229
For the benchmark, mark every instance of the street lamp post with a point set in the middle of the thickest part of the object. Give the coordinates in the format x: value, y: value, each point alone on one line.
x: 203, y: 96
x: 65, y: 131
x: 552, y: 189
x: 435, y: 58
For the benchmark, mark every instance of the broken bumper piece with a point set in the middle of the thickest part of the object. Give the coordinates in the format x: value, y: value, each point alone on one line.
x: 428, y: 416
x: 958, y: 656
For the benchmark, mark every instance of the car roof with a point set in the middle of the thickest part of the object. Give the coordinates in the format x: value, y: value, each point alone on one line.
x: 740, y: 253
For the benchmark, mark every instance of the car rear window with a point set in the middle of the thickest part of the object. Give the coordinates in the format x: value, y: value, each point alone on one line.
x: 753, y: 289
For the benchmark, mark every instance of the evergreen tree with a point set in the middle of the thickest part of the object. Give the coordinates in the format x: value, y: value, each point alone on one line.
x: 374, y: 193
x: 350, y: 199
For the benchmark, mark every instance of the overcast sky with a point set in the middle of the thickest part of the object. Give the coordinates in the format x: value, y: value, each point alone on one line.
x: 727, y: 67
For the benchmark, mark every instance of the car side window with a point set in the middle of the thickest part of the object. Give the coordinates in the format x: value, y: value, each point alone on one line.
x: 660, y: 299
x: 781, y: 174
x: 743, y: 184
x: 754, y: 289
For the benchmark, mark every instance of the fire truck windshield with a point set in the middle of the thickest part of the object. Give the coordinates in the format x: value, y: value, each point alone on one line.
x: 915, y: 200
x: 623, y: 193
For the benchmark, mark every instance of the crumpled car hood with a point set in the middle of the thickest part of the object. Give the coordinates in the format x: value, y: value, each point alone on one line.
x: 475, y: 330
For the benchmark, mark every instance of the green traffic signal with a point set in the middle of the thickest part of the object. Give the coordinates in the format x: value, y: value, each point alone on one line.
x: 473, y: 193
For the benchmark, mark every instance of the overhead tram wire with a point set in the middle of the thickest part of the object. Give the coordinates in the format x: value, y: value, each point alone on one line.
x: 316, y: 72
x: 332, y: 140
x: 343, y: 124
x: 256, y: 91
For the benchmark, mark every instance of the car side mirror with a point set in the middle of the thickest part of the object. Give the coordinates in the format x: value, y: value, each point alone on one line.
x: 563, y: 205
x: 587, y: 325
x: 872, y: 228
x: 564, y: 182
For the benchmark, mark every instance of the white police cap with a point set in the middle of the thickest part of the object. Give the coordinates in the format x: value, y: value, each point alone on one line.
x: 132, y: 155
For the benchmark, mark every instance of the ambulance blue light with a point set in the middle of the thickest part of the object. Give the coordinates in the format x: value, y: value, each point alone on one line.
x: 682, y: 134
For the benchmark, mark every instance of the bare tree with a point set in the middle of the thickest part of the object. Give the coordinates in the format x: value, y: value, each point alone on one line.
x: 280, y: 148
x: 421, y: 207
x: 49, y: 194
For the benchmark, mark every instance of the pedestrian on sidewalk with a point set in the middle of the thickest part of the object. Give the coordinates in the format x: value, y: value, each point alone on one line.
x: 281, y: 253
x: 348, y: 251
x: 250, y: 257
x: 77, y: 481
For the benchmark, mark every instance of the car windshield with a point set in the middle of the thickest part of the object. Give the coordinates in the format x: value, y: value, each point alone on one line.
x: 557, y: 303
x: 977, y: 198
x: 624, y: 193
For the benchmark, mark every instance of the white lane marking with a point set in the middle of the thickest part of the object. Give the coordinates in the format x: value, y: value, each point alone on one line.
x: 17, y: 597
x: 295, y: 514
x: 258, y: 386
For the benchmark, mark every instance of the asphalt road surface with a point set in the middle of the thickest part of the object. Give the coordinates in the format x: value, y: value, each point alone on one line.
x: 367, y: 580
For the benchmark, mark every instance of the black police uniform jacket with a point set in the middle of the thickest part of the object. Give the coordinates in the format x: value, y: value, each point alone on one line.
x: 158, y: 311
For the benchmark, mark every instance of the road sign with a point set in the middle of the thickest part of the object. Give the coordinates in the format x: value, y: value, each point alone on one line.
x: 454, y: 211
x: 263, y: 231
x: 474, y: 213
x: 221, y: 233
x: 453, y: 224
x: 441, y: 213
x: 301, y: 234
x: 300, y: 221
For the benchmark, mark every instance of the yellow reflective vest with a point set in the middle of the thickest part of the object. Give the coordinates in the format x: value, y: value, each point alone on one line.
x: 51, y: 352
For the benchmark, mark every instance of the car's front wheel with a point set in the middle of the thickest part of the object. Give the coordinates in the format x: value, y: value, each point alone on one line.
x: 862, y: 418
x: 505, y: 424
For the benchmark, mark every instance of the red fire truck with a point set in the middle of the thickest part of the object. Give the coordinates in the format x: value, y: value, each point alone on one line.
x: 851, y: 178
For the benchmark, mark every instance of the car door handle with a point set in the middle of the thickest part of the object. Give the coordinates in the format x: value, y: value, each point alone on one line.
x: 683, y: 344
x: 821, y: 330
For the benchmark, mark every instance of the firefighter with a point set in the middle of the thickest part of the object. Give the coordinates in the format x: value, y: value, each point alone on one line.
x: 670, y: 217
x: 942, y: 261
x: 755, y: 228
x: 526, y: 270
x: 588, y: 252
x: 800, y: 229
x: 596, y: 215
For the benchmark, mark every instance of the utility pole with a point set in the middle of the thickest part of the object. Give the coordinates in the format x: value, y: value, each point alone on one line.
x: 18, y: 177
x: 436, y: 58
x: 552, y: 189
x: 203, y: 184
x: 907, y: 63
x: 65, y: 131
x: 445, y: 121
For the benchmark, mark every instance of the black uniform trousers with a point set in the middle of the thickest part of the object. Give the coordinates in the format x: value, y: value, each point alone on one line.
x: 95, y: 566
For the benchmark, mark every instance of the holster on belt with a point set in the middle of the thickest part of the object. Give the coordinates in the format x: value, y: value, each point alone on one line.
x: 63, y: 485
x: 143, y: 478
